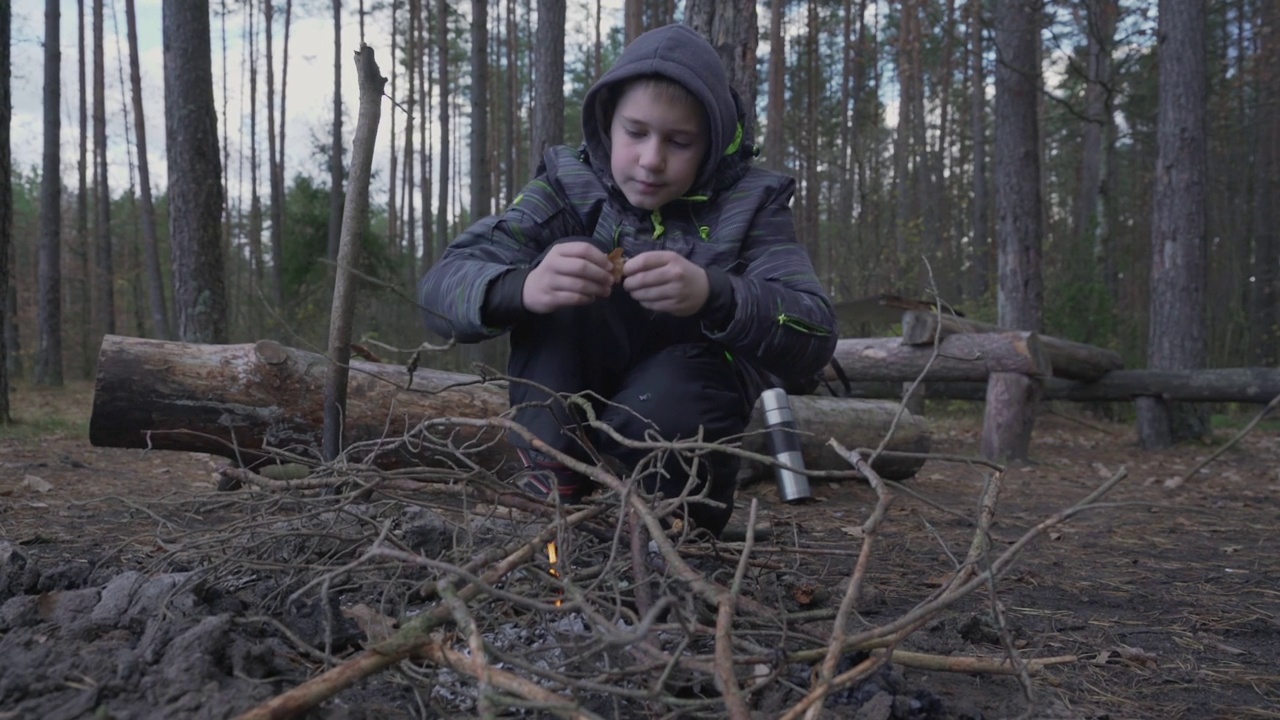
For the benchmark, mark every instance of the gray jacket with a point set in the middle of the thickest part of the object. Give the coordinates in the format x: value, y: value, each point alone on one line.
x: 767, y: 306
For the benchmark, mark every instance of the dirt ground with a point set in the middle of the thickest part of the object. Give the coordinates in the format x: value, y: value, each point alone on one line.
x: 1167, y: 594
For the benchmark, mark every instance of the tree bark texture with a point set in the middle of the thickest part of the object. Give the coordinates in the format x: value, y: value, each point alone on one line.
x: 1007, y: 435
x: 150, y: 241
x: 242, y: 401
x: 78, y: 305
x: 195, y: 193
x: 481, y: 186
x: 1256, y: 385
x: 49, y: 273
x: 274, y: 183
x: 6, y: 202
x: 104, y: 274
x: 354, y: 218
x: 1265, y: 295
x: 1176, y: 338
x: 775, y: 144
x: 336, y: 199
x: 732, y: 28
x: 1068, y: 359
x: 980, y: 248
x: 965, y: 357
x: 1010, y: 409
x: 548, y: 79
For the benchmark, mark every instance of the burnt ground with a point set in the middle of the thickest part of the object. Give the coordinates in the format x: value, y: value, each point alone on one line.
x: 1167, y: 595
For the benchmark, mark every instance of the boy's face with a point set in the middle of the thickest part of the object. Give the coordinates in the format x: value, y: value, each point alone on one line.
x: 658, y: 144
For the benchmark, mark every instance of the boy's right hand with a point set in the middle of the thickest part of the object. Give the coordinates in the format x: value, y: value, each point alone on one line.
x: 571, y: 273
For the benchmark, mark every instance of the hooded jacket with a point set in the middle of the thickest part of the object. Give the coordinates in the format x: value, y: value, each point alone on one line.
x: 766, y: 305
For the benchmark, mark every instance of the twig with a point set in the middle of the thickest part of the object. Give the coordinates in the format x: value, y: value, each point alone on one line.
x: 970, y: 664
x: 1275, y: 402
x: 726, y: 682
x: 870, y: 529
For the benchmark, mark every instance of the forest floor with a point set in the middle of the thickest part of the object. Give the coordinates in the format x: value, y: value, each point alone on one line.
x: 1167, y: 594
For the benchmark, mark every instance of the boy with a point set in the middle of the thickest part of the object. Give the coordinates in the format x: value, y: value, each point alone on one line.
x: 716, y: 297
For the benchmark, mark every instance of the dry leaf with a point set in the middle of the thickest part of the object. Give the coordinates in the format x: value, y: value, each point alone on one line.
x: 615, y: 257
x: 804, y: 591
x: 852, y: 530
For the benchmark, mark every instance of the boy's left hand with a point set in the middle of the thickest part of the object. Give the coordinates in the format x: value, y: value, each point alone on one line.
x: 666, y: 281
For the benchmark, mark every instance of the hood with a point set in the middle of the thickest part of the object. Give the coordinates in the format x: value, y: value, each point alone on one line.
x: 679, y: 53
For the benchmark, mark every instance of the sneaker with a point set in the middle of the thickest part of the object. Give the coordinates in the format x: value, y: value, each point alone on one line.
x: 545, y: 479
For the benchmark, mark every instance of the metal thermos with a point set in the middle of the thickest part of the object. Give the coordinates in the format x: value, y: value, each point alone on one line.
x: 784, y: 445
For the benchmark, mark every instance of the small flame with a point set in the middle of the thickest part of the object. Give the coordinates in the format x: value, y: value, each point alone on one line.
x: 553, y: 555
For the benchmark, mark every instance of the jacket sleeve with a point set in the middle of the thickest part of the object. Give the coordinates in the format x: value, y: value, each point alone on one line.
x: 451, y: 294
x: 783, y: 321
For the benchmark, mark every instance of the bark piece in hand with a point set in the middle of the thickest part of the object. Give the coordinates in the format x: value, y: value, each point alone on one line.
x: 615, y: 257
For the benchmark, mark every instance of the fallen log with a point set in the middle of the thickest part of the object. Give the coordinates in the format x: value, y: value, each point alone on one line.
x: 1245, y: 385
x: 960, y: 357
x: 252, y: 401
x: 1068, y: 359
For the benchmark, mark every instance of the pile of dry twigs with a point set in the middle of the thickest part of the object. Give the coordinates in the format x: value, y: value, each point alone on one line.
x: 491, y: 601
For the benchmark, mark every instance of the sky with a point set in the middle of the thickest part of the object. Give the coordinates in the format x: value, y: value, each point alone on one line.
x: 308, y: 103
x: 309, y: 100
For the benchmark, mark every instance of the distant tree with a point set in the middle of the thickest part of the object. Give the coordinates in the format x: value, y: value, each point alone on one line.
x: 445, y: 88
x: 79, y: 289
x: 1176, y: 337
x: 1265, y: 295
x: 1011, y: 398
x: 336, y: 195
x: 6, y: 198
x: 195, y: 193
x: 103, y: 270
x: 633, y: 19
x: 48, y: 369
x: 481, y: 187
x: 732, y: 28
x: 979, y: 274
x: 275, y: 178
x: 151, y: 245
x: 548, y: 78
x: 775, y: 143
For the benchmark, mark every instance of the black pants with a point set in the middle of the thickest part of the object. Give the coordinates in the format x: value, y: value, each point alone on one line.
x: 650, y: 376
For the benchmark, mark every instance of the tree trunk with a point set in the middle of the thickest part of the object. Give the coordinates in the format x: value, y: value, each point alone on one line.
x: 731, y: 27
x: 1257, y: 385
x: 442, y: 46
x: 426, y: 80
x: 6, y: 198
x: 632, y: 20
x: 336, y: 195
x: 355, y: 217
x: 255, y: 202
x: 274, y: 185
x: 49, y: 272
x: 1176, y: 334
x: 150, y: 242
x: 104, y: 274
x: 481, y: 189
x: 548, y: 79
x: 1074, y: 360
x: 1264, y: 310
x: 965, y: 356
x: 195, y: 194
x: 246, y: 401
x: 78, y: 304
x: 979, y: 276
x: 775, y: 144
x: 1011, y: 399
